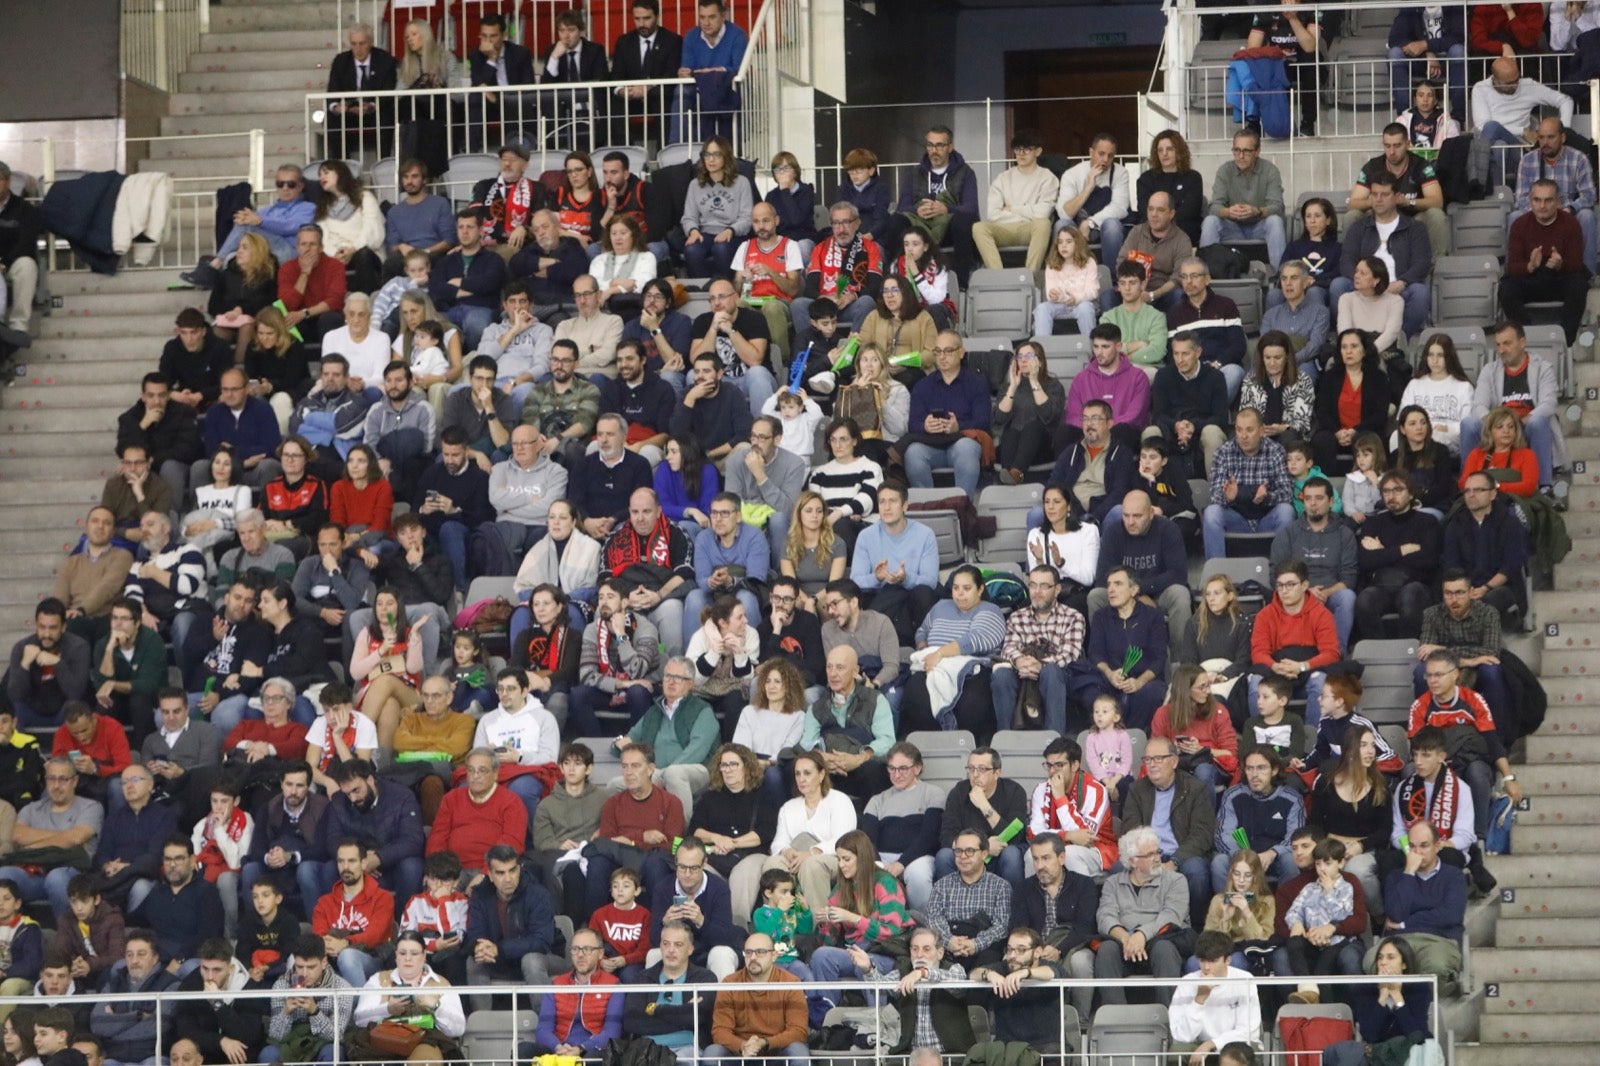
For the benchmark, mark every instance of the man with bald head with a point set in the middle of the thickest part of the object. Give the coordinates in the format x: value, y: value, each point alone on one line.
x: 1503, y: 104
x: 92, y: 575
x: 1159, y: 245
x: 245, y: 423
x: 852, y: 726
x: 652, y: 553
x: 773, y: 266
x: 945, y: 406
x: 1152, y: 547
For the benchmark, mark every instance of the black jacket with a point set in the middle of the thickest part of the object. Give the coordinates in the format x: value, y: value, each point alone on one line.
x: 1075, y: 907
x: 1386, y: 565
x: 1408, y: 244
x: 1193, y: 821
x: 591, y: 65
x: 1374, y: 400
x: 430, y: 581
x: 198, y: 371
x: 20, y: 226
x: 519, y: 66
x: 382, y: 72
x: 951, y: 1022
x: 639, y: 1020
x: 1203, y: 401
x: 1122, y: 470
x: 208, y: 1021
x: 661, y: 61
x: 176, y: 436
x: 1498, y: 546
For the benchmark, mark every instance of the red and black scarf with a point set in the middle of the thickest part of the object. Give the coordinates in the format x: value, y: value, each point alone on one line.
x: 625, y: 547
x: 1445, y: 806
x: 603, y: 638
x: 544, y: 649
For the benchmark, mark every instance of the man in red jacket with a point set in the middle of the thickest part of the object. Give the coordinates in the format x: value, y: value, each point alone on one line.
x: 1294, y: 637
x: 356, y: 918
x: 580, y: 1023
x: 473, y: 819
x: 97, y: 746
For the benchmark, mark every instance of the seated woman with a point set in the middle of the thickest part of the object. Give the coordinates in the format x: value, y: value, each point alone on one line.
x: 1244, y: 910
x: 716, y: 212
x: 624, y: 268
x: 1064, y: 541
x: 868, y: 908
x: 1352, y: 398
x: 1427, y: 124
x: 1386, y: 1010
x: 795, y: 201
x: 900, y: 328
x: 1170, y: 169
x: 724, y: 650
x: 548, y: 650
x: 565, y: 557
x: 686, y: 484
x: 879, y: 405
x: 1275, y: 387
x: 772, y: 722
x: 1440, y: 387
x: 1071, y: 285
x: 966, y: 626
x: 1317, y: 247
x: 411, y: 989
x: 1429, y: 464
x: 579, y: 204
x: 1502, y: 451
x: 298, y: 654
x: 920, y: 261
x: 809, y: 828
x: 1027, y: 417
x: 1217, y: 636
x: 813, y: 553
x: 1371, y: 307
x: 1352, y: 804
x: 352, y: 225
x: 1199, y: 727
x: 389, y: 660
x: 209, y: 526
x: 362, y: 502
x: 246, y: 285
x: 275, y: 364
x: 736, y: 820
x: 848, y: 483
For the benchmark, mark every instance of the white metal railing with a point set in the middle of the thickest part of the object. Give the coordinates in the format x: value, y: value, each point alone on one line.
x: 158, y: 37
x: 529, y: 22
x: 344, y: 1001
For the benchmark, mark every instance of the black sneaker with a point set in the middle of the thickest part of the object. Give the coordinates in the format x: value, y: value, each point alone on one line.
x: 203, y: 276
x: 16, y: 338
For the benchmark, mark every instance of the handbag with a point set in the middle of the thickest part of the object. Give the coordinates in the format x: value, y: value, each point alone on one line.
x: 399, y: 1039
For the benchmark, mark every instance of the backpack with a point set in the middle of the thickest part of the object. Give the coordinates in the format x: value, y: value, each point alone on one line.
x: 1225, y: 261
x: 1004, y: 589
x: 1304, y: 1038
x: 637, y: 1051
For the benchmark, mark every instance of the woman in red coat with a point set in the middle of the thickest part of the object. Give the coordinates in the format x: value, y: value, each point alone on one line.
x: 1199, y: 727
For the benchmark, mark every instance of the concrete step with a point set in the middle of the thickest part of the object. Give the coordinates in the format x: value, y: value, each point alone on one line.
x: 278, y: 145
x: 1534, y: 964
x: 1558, y: 840
x: 32, y: 540
x: 102, y: 400
x: 1563, y: 749
x: 287, y: 80
x: 1571, y: 635
x: 1520, y: 1029
x: 35, y: 567
x: 1524, y: 998
x: 1538, y: 874
x: 1568, y: 662
x: 1551, y: 902
x: 1539, y: 781
x: 37, y: 446
x: 80, y: 348
x: 78, y: 491
x: 152, y: 300
x: 126, y: 281
x: 1564, y: 606
x: 86, y: 462
x: 1545, y: 1054
x: 210, y: 60
x: 273, y: 114
x: 313, y: 41
x: 49, y: 520
x: 236, y: 102
x: 275, y: 17
x: 1545, y: 932
x: 134, y: 327
x: 126, y: 372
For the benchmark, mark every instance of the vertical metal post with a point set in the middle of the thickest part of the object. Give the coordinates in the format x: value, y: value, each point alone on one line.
x: 49, y: 163
x: 160, y: 25
x: 258, y: 157
x: 204, y: 12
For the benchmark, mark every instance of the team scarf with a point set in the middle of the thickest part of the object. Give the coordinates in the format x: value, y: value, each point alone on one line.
x: 845, y: 266
x: 1414, y: 805
x: 328, y: 748
x: 211, y: 858
x: 603, y: 637
x: 626, y: 547
x: 544, y: 649
x: 508, y: 210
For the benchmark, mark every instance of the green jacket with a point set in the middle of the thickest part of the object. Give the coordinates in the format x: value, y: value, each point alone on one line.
x: 695, y: 732
x: 146, y: 671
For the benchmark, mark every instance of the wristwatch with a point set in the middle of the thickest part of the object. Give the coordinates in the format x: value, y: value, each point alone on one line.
x: 1508, y: 777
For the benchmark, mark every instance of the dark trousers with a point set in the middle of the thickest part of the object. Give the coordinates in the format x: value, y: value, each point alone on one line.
x: 973, y: 710
x: 1571, y: 288
x: 1409, y: 599
x: 904, y: 606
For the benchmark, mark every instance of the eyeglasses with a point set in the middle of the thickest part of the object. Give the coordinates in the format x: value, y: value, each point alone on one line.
x: 723, y: 512
x: 936, y: 144
x: 756, y: 953
x: 581, y: 949
x: 682, y: 678
x: 685, y: 868
x: 965, y: 853
x: 288, y: 184
x: 728, y: 764
x: 1150, y: 760
x: 710, y: 155
x: 980, y: 769
x: 1287, y: 586
x: 902, y: 768
x: 1055, y: 764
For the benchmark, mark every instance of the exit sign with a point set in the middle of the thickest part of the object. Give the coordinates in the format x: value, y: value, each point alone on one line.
x: 1106, y: 40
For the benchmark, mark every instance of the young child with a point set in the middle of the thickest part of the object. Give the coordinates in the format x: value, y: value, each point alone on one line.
x: 624, y: 923
x: 428, y: 362
x: 266, y: 931
x: 1169, y: 493
x: 1302, y: 470
x: 1278, y: 728
x: 94, y: 939
x: 800, y: 416
x: 439, y: 911
x: 1107, y: 750
x: 1361, y: 493
x: 221, y: 841
x: 783, y: 915
x: 823, y: 337
x: 386, y: 301
x: 470, y: 674
x: 1336, y: 713
x: 1328, y: 900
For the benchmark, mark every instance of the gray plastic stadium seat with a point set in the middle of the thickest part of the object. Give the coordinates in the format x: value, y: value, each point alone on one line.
x: 1472, y: 348
x: 1337, y: 197
x: 1246, y: 292
x: 1387, y: 692
x: 1001, y: 302
x: 1129, y: 1035
x: 1385, y: 651
x: 491, y: 1036
x: 1018, y: 747
x: 1548, y: 342
x: 1360, y: 74
x: 1465, y: 288
x: 944, y: 755
x: 606, y: 765
x: 384, y: 179
x: 1253, y: 568
x: 673, y: 154
x: 466, y: 170
x: 1008, y: 505
x: 1479, y: 227
x: 1064, y: 354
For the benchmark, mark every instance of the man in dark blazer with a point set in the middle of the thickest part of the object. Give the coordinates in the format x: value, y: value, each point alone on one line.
x: 648, y: 52
x: 571, y: 60
x: 351, y: 122
x: 498, y: 62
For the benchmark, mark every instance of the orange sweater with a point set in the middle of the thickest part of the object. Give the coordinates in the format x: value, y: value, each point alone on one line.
x: 777, y: 1017
x: 1522, y: 460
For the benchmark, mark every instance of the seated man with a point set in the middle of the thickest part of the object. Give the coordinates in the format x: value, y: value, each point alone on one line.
x: 97, y: 747
x: 1394, y: 238
x: 653, y: 554
x: 681, y: 730
x: 1246, y: 199
x: 715, y: 413
x: 366, y: 350
x: 940, y: 198
x: 511, y: 930
x: 731, y: 558
x: 549, y: 263
x: 764, y: 473
x: 1294, y: 636
x: 1127, y: 621
x: 1416, y: 187
x: 127, y: 854
x: 1426, y: 902
x: 789, y: 631
x: 903, y: 823
x: 1268, y: 813
x: 1150, y: 546
x: 127, y: 1028
x: 308, y: 971
x: 739, y: 338
x: 566, y: 818
x: 91, y: 575
x: 896, y: 562
x: 452, y: 499
x: 1021, y: 199
x: 1470, y: 631
x: 593, y: 330
x: 167, y: 429
x: 847, y: 269
x: 769, y: 1025
x: 222, y: 1028
x: 386, y: 820
x: 607, y: 476
x: 1142, y: 325
x: 465, y: 285
x: 1065, y: 903
x: 1041, y: 644
x: 48, y: 670
x: 970, y: 909
x: 1070, y: 805
x: 580, y: 1023
x: 184, y: 909
x: 1251, y: 491
x: 311, y: 286
x: 184, y: 754
x: 1179, y: 809
x: 1301, y: 312
x: 245, y: 423
x: 1569, y: 170
x: 288, y: 837
x: 1142, y: 914
x: 871, y: 634
x: 518, y: 350
x: 1121, y: 389
x: 1188, y: 406
x: 929, y: 1014
x: 669, y: 1018
x: 401, y: 429
x: 1328, y: 548
x: 640, y: 820
x: 419, y: 221
x: 132, y: 491
x: 226, y: 663
x: 1206, y: 1017
x: 852, y: 726
x: 279, y: 222
x: 1487, y: 541
x: 1528, y: 386
x: 1478, y: 748
x: 1157, y: 245
x: 688, y: 893
x: 643, y: 403
x: 619, y: 664
x: 521, y: 490
x: 1544, y: 259
x: 1437, y: 794
x: 474, y: 818
x: 950, y: 411
x: 1397, y: 556
x: 1213, y: 319
x: 355, y: 919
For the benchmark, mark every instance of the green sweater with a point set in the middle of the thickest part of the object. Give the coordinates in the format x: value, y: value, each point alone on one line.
x: 146, y: 670
x: 783, y: 927
x: 1149, y: 325
x: 693, y: 733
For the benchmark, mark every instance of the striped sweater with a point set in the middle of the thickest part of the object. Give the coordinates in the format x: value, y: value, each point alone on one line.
x: 978, y: 632
x: 889, y: 915
x: 853, y: 484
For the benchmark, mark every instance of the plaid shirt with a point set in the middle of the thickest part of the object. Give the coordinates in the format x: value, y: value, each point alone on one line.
x: 1476, y: 634
x: 954, y: 900
x: 1267, y: 466
x: 1571, y: 173
x: 925, y: 1034
x: 1061, y: 629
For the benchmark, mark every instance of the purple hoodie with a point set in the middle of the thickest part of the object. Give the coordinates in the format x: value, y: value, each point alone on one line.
x: 1126, y: 389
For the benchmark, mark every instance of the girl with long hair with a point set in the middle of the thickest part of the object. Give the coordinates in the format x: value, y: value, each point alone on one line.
x: 867, y: 909
x: 924, y: 264
x: 1429, y: 464
x: 1217, y: 636
x: 1200, y: 730
x: 1064, y: 541
x: 1071, y: 285
x: 352, y: 225
x: 246, y: 285
x: 1440, y: 387
x: 716, y: 211
x: 390, y: 655
x: 1352, y: 804
x: 1245, y: 908
x: 686, y: 484
x: 813, y: 554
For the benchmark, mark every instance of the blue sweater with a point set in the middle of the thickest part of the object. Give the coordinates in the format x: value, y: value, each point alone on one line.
x: 967, y: 397
x: 1110, y: 637
x: 1268, y: 821
x: 797, y: 219
x: 254, y: 432
x: 481, y: 281
x: 136, y: 839
x: 729, y: 52
x: 716, y: 906
x: 420, y: 225
x: 180, y: 921
x: 675, y: 498
x: 1157, y: 556
x: 915, y: 546
x: 1437, y: 905
x: 749, y: 550
x: 871, y: 201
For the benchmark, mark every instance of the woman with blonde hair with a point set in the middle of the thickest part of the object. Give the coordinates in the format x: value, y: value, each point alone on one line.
x: 275, y: 365
x: 771, y: 723
x: 1503, y: 447
x: 1071, y: 285
x: 416, y: 307
x: 716, y: 211
x: 425, y: 65
x: 246, y: 285
x: 1218, y: 635
x: 878, y: 405
x: 1245, y: 908
x: 812, y: 553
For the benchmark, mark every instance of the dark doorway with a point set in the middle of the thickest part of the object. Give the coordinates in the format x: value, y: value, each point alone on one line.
x: 1040, y: 80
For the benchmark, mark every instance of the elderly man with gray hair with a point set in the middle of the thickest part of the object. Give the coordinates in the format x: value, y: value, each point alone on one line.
x: 364, y: 348
x: 1144, y: 916
x: 480, y: 814
x: 683, y: 730
x: 254, y: 552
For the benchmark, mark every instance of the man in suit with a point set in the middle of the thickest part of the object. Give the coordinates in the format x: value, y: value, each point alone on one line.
x: 572, y: 60
x: 354, y: 121
x: 497, y: 62
x: 648, y: 52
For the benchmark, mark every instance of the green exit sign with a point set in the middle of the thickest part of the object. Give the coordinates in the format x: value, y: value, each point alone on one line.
x: 1106, y: 40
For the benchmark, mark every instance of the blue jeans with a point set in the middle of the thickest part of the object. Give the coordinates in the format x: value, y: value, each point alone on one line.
x: 1498, y: 135
x: 356, y: 966
x: 584, y: 700
x: 1281, y: 869
x: 1541, y: 438
x: 51, y: 885
x: 1007, y: 865
x: 1216, y: 521
x: 1416, y: 296
x: 282, y: 247
x: 965, y: 455
x: 473, y: 321
x: 1003, y: 685
x: 1343, y: 606
x: 1045, y: 315
x: 1214, y: 230
x: 1309, y: 687
x: 708, y: 258
x: 1213, y: 777
x: 757, y: 384
x: 1404, y: 71
x: 850, y: 317
x: 453, y: 542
